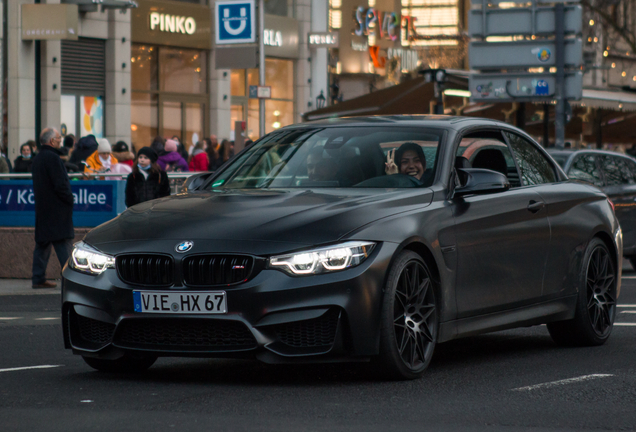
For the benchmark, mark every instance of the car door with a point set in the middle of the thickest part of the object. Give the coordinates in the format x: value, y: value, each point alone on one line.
x: 620, y: 187
x: 565, y: 213
x: 502, y: 239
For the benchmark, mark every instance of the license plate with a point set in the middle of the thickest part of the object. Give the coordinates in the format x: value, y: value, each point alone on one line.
x: 203, y: 302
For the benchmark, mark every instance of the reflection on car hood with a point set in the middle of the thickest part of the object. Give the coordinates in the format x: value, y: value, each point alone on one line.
x: 290, y: 217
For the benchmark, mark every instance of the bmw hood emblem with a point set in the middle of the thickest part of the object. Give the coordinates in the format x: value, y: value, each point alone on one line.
x: 184, y: 246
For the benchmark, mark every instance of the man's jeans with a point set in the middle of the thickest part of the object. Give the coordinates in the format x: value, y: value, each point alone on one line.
x: 41, y: 256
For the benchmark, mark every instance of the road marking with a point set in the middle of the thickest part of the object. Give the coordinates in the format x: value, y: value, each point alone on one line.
x: 632, y: 312
x: 626, y: 306
x: 563, y: 382
x: 9, y: 318
x: 55, y: 318
x: 629, y: 277
x: 625, y: 324
x: 30, y: 367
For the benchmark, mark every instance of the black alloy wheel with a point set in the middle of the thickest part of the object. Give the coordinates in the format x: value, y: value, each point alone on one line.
x: 409, y: 318
x: 596, y: 307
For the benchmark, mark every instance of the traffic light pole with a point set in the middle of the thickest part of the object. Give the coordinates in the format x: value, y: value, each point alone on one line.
x: 261, y: 66
x: 559, y: 122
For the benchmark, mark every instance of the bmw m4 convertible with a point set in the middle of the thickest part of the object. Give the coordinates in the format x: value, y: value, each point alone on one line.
x: 359, y: 239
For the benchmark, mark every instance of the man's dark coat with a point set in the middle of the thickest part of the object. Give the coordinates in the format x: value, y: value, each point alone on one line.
x: 53, y: 197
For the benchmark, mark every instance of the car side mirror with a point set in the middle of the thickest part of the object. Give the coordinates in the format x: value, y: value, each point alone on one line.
x: 480, y: 181
x: 194, y: 182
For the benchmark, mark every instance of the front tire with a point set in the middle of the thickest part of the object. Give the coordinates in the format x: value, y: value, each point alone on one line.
x: 409, y: 319
x: 596, y: 305
x: 125, y: 364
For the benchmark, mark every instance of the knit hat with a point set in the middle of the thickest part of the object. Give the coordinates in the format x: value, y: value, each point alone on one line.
x: 104, y: 146
x: 171, y: 145
x: 149, y: 153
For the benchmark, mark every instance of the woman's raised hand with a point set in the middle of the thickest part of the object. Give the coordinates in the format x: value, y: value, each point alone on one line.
x: 390, y: 167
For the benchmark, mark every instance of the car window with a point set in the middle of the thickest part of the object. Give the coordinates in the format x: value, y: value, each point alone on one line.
x: 535, y: 167
x: 611, y: 170
x: 489, y: 153
x: 627, y: 173
x: 336, y: 157
x: 585, y: 169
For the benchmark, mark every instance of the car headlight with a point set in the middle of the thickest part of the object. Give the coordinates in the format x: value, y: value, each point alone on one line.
x: 323, y: 260
x: 89, y: 260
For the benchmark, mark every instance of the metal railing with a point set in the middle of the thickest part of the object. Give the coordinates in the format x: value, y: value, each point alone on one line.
x: 176, y: 179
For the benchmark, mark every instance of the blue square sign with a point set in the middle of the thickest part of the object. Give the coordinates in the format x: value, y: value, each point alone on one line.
x: 235, y: 22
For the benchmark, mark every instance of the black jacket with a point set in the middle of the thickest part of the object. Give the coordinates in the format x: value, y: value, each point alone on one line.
x: 139, y: 189
x: 22, y: 165
x: 53, y: 197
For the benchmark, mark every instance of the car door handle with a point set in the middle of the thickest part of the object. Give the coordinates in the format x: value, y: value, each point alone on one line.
x: 535, y: 206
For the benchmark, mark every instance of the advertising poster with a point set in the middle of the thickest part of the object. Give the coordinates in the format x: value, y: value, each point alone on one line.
x: 92, y: 116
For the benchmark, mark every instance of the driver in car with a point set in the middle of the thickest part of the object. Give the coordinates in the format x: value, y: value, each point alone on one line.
x: 321, y: 169
x: 410, y: 158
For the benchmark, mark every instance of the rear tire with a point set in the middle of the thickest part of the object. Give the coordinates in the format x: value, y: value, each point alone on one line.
x: 596, y: 305
x: 126, y: 364
x: 409, y: 319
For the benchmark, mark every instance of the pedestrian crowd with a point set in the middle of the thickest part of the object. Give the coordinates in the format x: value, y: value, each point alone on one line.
x: 50, y: 161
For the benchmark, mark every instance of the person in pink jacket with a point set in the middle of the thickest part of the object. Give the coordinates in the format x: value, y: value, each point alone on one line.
x: 199, y: 160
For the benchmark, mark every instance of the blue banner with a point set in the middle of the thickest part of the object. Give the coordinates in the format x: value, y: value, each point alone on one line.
x: 96, y: 202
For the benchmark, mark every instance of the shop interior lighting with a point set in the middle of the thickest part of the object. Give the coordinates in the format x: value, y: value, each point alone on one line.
x: 457, y: 93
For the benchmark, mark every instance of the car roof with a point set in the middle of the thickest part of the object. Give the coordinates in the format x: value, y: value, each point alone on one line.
x: 434, y: 121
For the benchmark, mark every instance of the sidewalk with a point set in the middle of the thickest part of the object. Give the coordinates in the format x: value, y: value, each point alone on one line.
x: 23, y: 287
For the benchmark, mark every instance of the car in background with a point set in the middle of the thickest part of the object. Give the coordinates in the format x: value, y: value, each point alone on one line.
x: 614, y: 174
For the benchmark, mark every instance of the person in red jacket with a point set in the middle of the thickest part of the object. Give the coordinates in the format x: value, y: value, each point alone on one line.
x: 199, y: 160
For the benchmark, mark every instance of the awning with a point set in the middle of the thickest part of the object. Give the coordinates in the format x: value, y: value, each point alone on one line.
x: 608, y: 99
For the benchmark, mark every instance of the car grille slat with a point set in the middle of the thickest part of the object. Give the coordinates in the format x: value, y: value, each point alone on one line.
x: 209, y: 270
x: 150, y: 270
x: 184, y: 334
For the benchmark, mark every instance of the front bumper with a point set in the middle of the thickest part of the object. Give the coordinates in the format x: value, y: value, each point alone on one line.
x: 273, y: 317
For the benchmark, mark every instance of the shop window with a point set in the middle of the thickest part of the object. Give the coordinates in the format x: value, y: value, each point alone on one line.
x: 194, y: 122
x: 433, y: 18
x: 143, y: 117
x: 237, y: 82
x: 182, y: 70
x: 143, y: 61
x: 172, y: 119
x: 276, y: 7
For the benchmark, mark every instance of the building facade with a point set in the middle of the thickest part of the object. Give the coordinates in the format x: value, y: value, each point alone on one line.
x: 133, y: 70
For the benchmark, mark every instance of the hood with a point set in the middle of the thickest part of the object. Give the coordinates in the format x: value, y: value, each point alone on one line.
x: 198, y: 152
x: 252, y: 221
x: 87, y: 143
x: 170, y: 157
x: 123, y: 156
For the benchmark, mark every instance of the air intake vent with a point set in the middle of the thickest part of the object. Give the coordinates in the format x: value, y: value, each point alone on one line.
x: 149, y: 270
x: 207, y: 270
x: 184, y: 335
x: 317, y: 332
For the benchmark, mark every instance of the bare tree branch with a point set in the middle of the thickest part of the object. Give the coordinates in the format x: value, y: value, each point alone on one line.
x: 622, y: 31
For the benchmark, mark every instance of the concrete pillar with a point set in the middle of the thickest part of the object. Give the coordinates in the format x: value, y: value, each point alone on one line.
x: 303, y: 66
x: 220, y: 100
x: 20, y: 81
x: 117, y: 95
x: 319, y: 56
x: 51, y: 83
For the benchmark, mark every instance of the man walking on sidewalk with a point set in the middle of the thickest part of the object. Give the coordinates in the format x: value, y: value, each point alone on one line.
x: 53, y: 207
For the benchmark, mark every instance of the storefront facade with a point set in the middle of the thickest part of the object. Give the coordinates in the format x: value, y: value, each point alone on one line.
x: 281, y: 52
x: 171, y: 44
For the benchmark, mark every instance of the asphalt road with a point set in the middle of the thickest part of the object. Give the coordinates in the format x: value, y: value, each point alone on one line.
x: 508, y: 381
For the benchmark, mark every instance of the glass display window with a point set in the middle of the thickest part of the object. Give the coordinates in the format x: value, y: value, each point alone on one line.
x: 143, y: 119
x: 182, y: 70
x: 143, y: 61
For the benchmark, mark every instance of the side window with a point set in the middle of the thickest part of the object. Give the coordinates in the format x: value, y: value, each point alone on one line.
x: 586, y: 169
x: 535, y: 168
x: 626, y: 170
x: 487, y: 150
x: 611, y: 170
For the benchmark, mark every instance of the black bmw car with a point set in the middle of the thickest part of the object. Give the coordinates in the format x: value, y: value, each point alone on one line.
x: 350, y: 240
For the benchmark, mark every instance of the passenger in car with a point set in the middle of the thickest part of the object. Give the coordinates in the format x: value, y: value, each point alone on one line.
x: 410, y: 158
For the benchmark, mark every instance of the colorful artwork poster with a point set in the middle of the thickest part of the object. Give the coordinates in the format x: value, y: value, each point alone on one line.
x: 92, y: 116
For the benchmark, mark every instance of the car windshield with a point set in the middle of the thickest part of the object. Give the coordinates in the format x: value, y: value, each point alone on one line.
x: 336, y: 157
